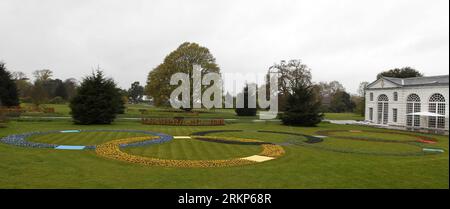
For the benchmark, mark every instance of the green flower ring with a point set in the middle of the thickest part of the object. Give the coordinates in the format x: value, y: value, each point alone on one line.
x: 419, y: 141
x: 315, y: 142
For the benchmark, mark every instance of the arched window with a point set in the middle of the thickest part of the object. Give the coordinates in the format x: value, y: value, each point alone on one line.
x: 383, y: 98
x: 412, y: 106
x: 436, y: 105
x: 413, y: 98
x: 383, y: 109
x: 395, y: 96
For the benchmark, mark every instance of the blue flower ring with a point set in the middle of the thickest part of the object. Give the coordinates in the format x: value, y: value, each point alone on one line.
x: 20, y: 139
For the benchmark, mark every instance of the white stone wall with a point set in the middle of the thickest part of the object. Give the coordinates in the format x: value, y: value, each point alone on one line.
x: 424, y: 92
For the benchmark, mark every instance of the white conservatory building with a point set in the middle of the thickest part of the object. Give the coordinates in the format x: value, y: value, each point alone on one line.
x: 414, y: 103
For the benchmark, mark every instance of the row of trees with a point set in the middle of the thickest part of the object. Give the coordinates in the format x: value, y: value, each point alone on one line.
x: 44, y: 89
x: 296, y: 92
x: 295, y: 84
x: 97, y: 99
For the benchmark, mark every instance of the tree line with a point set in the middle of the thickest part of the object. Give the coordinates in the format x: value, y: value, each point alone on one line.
x: 97, y: 99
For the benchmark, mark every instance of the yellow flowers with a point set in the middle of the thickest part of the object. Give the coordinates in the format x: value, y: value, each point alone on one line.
x: 272, y: 150
x: 112, y: 150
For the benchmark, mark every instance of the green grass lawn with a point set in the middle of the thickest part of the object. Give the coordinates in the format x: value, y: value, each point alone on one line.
x: 191, y: 149
x: 300, y: 167
x: 343, y: 116
x: 134, y: 111
x: 372, y: 135
x: 355, y: 146
x: 83, y: 138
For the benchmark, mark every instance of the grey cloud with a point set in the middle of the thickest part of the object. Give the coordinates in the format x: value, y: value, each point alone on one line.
x: 347, y: 40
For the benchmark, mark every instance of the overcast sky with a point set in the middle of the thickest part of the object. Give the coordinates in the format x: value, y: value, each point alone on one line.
x: 345, y: 40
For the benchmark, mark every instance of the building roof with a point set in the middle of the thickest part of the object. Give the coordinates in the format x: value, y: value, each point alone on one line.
x: 429, y: 80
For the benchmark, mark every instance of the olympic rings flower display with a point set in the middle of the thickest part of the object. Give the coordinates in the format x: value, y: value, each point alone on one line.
x: 111, y: 150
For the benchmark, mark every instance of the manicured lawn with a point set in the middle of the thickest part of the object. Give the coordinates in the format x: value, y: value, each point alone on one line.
x: 83, y: 138
x: 139, y: 110
x: 343, y: 116
x: 377, y: 148
x: 375, y: 136
x: 300, y: 167
x: 191, y: 149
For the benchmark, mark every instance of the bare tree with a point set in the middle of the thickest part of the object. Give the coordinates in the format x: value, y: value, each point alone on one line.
x: 42, y: 75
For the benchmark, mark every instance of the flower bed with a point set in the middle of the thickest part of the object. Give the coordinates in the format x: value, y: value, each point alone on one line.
x: 418, y: 142
x: 183, y: 122
x: 11, y: 111
x: 272, y: 150
x: 268, y: 149
x: 20, y: 139
x: 111, y: 150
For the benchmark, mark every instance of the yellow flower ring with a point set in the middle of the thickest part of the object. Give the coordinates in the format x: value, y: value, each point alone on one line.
x: 111, y: 150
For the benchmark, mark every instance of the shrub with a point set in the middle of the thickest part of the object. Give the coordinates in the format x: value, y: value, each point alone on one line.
x: 8, y: 89
x: 98, y: 101
x: 302, y: 108
x: 2, y: 120
x: 246, y: 111
x: 11, y: 112
x: 26, y: 100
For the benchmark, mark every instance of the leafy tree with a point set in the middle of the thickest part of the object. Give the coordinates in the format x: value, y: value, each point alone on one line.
x: 246, y: 111
x: 136, y: 92
x: 406, y: 72
x: 290, y: 73
x: 8, y: 90
x: 98, y: 100
x: 61, y: 91
x: 179, y: 61
x: 302, y: 107
x: 360, y: 101
x: 330, y: 88
x: 359, y: 105
x: 23, y: 84
x: 39, y: 94
x: 70, y: 85
x: 326, y: 91
x: 341, y: 102
x: 124, y: 97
